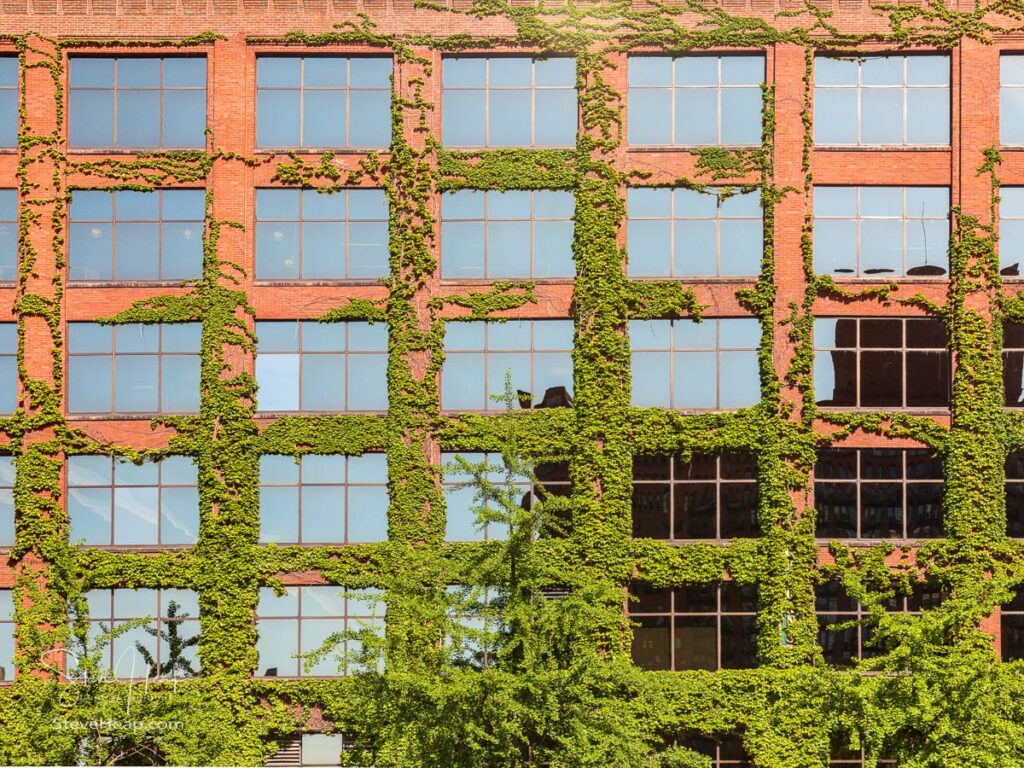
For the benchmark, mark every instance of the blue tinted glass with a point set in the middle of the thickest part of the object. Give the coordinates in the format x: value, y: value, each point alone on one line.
x: 369, y: 118
x: 556, y: 119
x: 552, y: 334
x: 323, y: 249
x: 323, y: 513
x: 7, y: 470
x: 322, y: 382
x: 649, y: 244
x: 91, y: 251
x: 367, y: 204
x: 651, y: 379
x: 553, y: 249
x: 138, y: 72
x: 138, y: 205
x: 323, y: 114
x: 514, y: 127
x: 183, y: 204
x: 277, y: 250
x: 739, y: 382
x: 89, y: 511
x: 464, y: 71
x: 136, y: 387
x: 508, y: 249
x: 278, y: 469
x: 695, y: 247
x: 515, y: 71
x: 277, y: 336
x: 182, y: 251
x: 650, y: 334
x: 178, y: 470
x: 180, y: 383
x: 367, y: 514
x: 650, y: 116
x: 277, y: 645
x: 323, y: 469
x: 279, y: 514
x: 91, y: 204
x: 138, y: 118
x: 277, y: 118
x: 89, y: 470
x: 367, y: 337
x: 185, y: 71
x: 136, y: 515
x: 834, y: 71
x: 138, y: 251
x: 8, y: 118
x: 184, y: 121
x: 8, y: 384
x: 6, y: 518
x: 697, y: 116
x: 368, y: 254
x: 695, y: 380
x: 324, y: 72
x: 742, y: 70
x: 367, y: 383
x: 463, y: 116
x: 370, y: 72
x: 368, y: 468
x: 462, y: 382
x: 741, y: 115
x: 559, y: 71
x: 129, y: 473
x: 508, y: 205
x: 323, y: 337
x: 693, y: 335
x: 89, y: 384
x: 463, y: 204
x: 92, y: 72
x: 278, y: 379
x: 320, y: 205
x: 650, y: 70
x: 9, y: 71
x: 511, y: 334
x: 181, y: 337
x: 278, y: 71
x: 461, y: 335
x: 835, y: 116
x: 91, y: 119
x: 739, y: 333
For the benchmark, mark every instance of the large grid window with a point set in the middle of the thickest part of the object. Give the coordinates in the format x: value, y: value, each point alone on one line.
x: 1011, y: 99
x: 1011, y: 624
x: 881, y: 363
x: 538, y: 354
x: 323, y: 499
x: 686, y: 233
x: 508, y: 101
x: 461, y: 496
x: 688, y: 365
x: 834, y: 608
x: 126, y: 235
x: 300, y: 621
x: 878, y: 493
x: 146, y: 651
x: 844, y: 757
x: 310, y: 366
x: 695, y: 100
x: 1013, y: 364
x: 136, y: 368
x: 8, y: 235
x: 486, y: 235
x: 704, y: 626
x: 725, y: 752
x: 1011, y: 230
x: 306, y: 235
x: 8, y: 101
x: 323, y: 102
x: 138, y: 102
x: 890, y: 231
x: 8, y: 367
x: 6, y: 635
x: 115, y: 502
x: 7, y: 501
x: 706, y: 497
x: 1015, y: 495
x: 881, y: 100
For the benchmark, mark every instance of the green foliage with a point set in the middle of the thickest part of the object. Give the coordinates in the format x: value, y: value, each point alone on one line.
x: 561, y: 690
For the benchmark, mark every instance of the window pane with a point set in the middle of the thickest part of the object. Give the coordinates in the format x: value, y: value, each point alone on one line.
x: 90, y: 384
x: 138, y: 118
x: 370, y: 118
x: 278, y: 379
x: 323, y: 118
x: 464, y: 118
x: 92, y: 119
x: 184, y: 121
x: 835, y: 115
x: 741, y: 115
x: 927, y: 116
x: 555, y: 118
x: 881, y: 116
x: 513, y: 128
x: 277, y: 118
x: 696, y: 116
x: 650, y: 111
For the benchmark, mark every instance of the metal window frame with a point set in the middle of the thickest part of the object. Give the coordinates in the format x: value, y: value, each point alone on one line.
x: 859, y: 614
x: 345, y: 619
x: 532, y: 88
x: 345, y: 484
x: 859, y: 480
x: 676, y: 92
x: 857, y: 349
x: 718, y: 350
x: 298, y: 352
x: 673, y: 217
x: 345, y: 246
x: 486, y: 219
x: 114, y: 89
x: 346, y: 90
x: 114, y: 221
x: 8, y: 623
x: 673, y: 613
x: 158, y: 622
x: 673, y: 482
x: 904, y: 217
x: 112, y: 485
x: 905, y: 87
x: 114, y: 354
x: 532, y: 351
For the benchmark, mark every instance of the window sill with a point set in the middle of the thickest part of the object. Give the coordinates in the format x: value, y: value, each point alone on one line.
x: 134, y: 548
x: 315, y: 414
x: 687, y: 147
x: 127, y: 416
x: 327, y: 283
x: 513, y: 148
x: 867, y: 543
x: 131, y: 283
x: 320, y: 545
x: 691, y: 542
x: 926, y: 411
x: 881, y: 148
x: 321, y: 150
x: 133, y: 150
x: 453, y: 281
x: 884, y: 280
x: 691, y: 279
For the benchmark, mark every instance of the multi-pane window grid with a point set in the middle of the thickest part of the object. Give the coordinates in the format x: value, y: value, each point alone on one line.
x: 689, y: 233
x: 292, y: 625
x: 8, y: 101
x: 323, y: 499
x: 7, y: 501
x: 8, y: 234
x: 725, y: 752
x: 110, y: 608
x: 509, y: 101
x: 878, y: 493
x: 695, y: 100
x: 1011, y: 625
x: 134, y: 368
x: 704, y: 626
x: 8, y: 367
x: 307, y: 235
x: 462, y: 496
x: 119, y: 503
x: 1015, y: 495
x: 707, y: 497
x: 834, y: 608
x: 1011, y: 225
x: 1013, y: 364
x: 6, y: 635
x: 683, y: 364
x: 519, y: 233
x: 321, y: 367
x: 891, y: 231
x: 537, y: 353
x: 127, y: 235
x: 881, y: 363
x: 881, y: 100
x: 138, y: 102
x: 327, y: 102
x: 1011, y: 99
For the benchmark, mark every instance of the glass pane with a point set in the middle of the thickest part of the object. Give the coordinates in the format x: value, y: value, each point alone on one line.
x: 927, y: 116
x: 323, y: 119
x: 179, y: 516
x: 279, y: 514
x: 835, y: 378
x: 464, y: 118
x: 184, y: 119
x: 511, y: 112
x: 278, y: 379
x: 835, y: 115
x: 696, y: 114
x: 90, y: 384
x: 695, y: 511
x: 182, y: 256
x: 370, y: 72
x: 180, y: 384
x: 367, y: 513
x: 323, y: 382
x: 553, y: 249
x: 881, y: 510
x: 367, y: 383
x: 555, y: 118
x: 835, y: 246
x: 695, y: 382
x: 277, y: 118
x: 649, y: 244
x: 369, y: 118
x: 881, y: 116
x: 138, y: 251
x: 92, y: 119
x: 881, y: 379
x: 650, y: 116
x: 928, y: 379
x: 89, y: 510
x: 741, y: 115
x: 1011, y: 115
x: 184, y: 71
x: 696, y: 247
x: 650, y: 70
x: 90, y: 251
x: 135, y: 515
x: 138, y: 119
x: 323, y: 514
x: 323, y: 246
x: 278, y: 71
x: 508, y: 249
x: 277, y: 645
